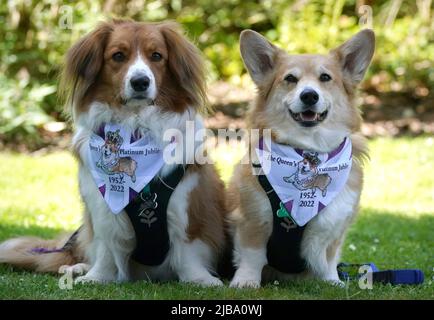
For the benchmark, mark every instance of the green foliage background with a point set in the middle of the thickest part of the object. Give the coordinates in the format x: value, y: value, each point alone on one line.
x: 34, y: 40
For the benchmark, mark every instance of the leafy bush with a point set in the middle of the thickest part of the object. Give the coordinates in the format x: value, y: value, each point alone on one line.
x: 21, y: 108
x: 35, y: 40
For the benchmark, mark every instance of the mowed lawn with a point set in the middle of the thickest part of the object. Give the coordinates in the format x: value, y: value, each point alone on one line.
x: 395, y: 228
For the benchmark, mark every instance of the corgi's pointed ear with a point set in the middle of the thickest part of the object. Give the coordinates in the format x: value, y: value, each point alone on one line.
x: 356, y: 54
x: 258, y: 54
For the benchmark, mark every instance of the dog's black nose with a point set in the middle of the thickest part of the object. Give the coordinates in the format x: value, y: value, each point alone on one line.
x: 140, y: 83
x: 309, y: 97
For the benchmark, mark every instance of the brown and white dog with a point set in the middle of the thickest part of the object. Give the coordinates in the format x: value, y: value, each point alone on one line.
x: 146, y: 77
x: 308, y: 103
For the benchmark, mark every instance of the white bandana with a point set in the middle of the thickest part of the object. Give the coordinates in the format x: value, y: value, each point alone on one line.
x: 123, y: 163
x: 306, y: 182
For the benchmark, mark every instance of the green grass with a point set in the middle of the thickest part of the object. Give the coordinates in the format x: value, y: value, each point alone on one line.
x: 394, y: 228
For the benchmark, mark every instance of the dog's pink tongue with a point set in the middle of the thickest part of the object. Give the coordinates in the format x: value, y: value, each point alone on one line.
x: 308, y: 116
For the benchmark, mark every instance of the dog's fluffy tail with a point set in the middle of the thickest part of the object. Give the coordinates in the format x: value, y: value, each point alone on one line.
x: 41, y: 255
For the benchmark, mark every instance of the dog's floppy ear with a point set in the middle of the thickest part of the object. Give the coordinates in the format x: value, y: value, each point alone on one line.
x: 258, y: 54
x: 355, y: 55
x: 83, y: 63
x: 186, y: 65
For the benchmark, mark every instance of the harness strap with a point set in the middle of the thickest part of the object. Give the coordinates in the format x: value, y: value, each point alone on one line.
x: 148, y: 215
x: 69, y: 244
x: 283, y: 247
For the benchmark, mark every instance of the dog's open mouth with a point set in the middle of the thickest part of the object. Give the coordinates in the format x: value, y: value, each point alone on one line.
x: 309, y: 118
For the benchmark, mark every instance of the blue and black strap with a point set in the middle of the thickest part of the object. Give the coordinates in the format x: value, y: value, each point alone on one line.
x: 348, y: 271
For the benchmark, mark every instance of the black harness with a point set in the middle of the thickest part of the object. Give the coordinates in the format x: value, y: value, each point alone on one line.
x: 283, y: 247
x: 148, y: 215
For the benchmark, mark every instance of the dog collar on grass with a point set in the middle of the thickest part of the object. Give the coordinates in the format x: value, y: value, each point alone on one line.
x: 122, y: 163
x: 305, y: 182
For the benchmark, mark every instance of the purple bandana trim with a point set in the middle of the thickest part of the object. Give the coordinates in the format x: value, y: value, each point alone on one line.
x: 288, y: 205
x: 261, y: 144
x: 102, y: 189
x: 135, y: 136
x: 337, y: 150
x: 330, y: 155
x: 132, y: 194
x: 101, y: 132
x: 299, y: 151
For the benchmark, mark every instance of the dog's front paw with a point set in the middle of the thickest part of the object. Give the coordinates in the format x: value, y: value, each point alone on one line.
x: 246, y: 278
x: 206, y: 281
x: 245, y: 282
x: 89, y: 279
x: 336, y: 283
x: 76, y: 269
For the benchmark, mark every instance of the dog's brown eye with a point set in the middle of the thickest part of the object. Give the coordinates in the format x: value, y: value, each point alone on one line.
x: 156, y: 56
x: 291, y: 78
x: 118, y: 56
x: 324, y: 77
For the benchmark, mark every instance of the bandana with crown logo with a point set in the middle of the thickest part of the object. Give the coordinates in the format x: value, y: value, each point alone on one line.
x: 305, y: 182
x: 122, y: 163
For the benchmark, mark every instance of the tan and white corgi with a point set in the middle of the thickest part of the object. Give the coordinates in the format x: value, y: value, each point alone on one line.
x: 307, y: 101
